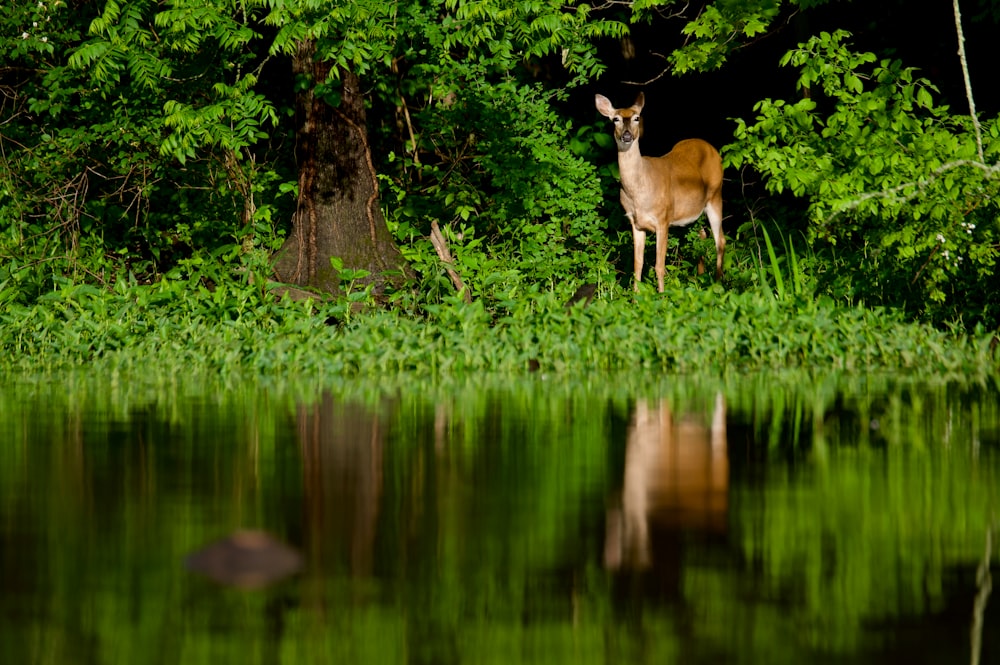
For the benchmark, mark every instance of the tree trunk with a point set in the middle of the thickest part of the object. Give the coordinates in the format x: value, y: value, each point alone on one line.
x: 338, y: 212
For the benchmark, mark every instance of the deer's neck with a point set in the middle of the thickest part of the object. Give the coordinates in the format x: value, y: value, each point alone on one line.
x: 633, y: 168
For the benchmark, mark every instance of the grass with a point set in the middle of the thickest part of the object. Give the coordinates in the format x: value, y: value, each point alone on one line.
x: 233, y: 329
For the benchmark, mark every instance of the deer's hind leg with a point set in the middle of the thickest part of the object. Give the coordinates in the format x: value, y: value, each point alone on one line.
x: 714, y: 211
x: 662, y: 233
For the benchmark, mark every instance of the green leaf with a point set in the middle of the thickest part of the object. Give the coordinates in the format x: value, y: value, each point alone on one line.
x: 924, y: 98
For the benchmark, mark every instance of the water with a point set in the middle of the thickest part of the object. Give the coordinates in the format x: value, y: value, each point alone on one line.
x: 758, y: 520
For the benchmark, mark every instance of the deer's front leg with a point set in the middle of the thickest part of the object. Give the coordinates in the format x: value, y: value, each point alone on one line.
x: 639, y: 247
x: 661, y: 255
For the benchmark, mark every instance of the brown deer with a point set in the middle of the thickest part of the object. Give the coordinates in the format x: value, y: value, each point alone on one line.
x: 660, y: 192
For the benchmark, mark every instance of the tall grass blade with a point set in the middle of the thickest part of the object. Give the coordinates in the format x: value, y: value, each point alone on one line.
x: 779, y: 280
x: 798, y: 284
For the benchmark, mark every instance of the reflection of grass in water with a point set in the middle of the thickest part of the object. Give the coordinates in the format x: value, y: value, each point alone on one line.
x: 854, y: 534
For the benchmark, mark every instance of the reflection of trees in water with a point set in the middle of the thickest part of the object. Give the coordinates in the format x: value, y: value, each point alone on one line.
x: 676, y: 479
x: 342, y: 447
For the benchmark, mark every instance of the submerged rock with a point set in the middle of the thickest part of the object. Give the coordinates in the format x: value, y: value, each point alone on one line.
x: 246, y: 559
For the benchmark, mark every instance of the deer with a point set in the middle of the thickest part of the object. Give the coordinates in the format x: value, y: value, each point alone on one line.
x: 660, y: 192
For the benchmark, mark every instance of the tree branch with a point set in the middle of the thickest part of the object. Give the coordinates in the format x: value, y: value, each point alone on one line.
x: 968, y: 83
x: 441, y: 245
x: 894, y: 193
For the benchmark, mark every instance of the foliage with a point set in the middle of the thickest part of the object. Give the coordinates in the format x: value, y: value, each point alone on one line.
x: 716, y: 30
x: 108, y: 170
x: 189, y: 105
x: 892, y: 180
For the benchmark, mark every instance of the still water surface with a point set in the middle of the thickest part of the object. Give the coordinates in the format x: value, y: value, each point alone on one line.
x: 550, y: 521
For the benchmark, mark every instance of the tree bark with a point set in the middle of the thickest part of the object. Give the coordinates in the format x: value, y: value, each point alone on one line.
x: 338, y: 213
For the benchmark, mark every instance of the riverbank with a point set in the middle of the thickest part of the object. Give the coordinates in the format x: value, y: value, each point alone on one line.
x: 176, y: 327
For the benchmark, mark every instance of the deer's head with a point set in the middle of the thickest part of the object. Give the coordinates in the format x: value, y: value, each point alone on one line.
x: 628, y: 121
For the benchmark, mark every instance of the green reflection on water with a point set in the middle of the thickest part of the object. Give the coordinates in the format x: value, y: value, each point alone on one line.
x: 542, y: 520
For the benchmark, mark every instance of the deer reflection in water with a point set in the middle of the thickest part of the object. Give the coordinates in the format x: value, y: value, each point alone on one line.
x: 676, y: 479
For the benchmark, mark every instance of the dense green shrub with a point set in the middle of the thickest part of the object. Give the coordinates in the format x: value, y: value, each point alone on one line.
x: 518, y: 205
x: 899, y: 202
x: 101, y: 170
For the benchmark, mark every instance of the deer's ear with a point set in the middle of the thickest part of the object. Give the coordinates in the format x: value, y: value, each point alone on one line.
x: 604, y: 106
x: 640, y: 101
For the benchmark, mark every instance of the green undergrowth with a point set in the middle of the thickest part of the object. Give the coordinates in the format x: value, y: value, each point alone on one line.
x: 180, y: 327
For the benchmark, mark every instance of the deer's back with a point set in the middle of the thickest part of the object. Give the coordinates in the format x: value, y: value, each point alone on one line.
x: 692, y: 158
